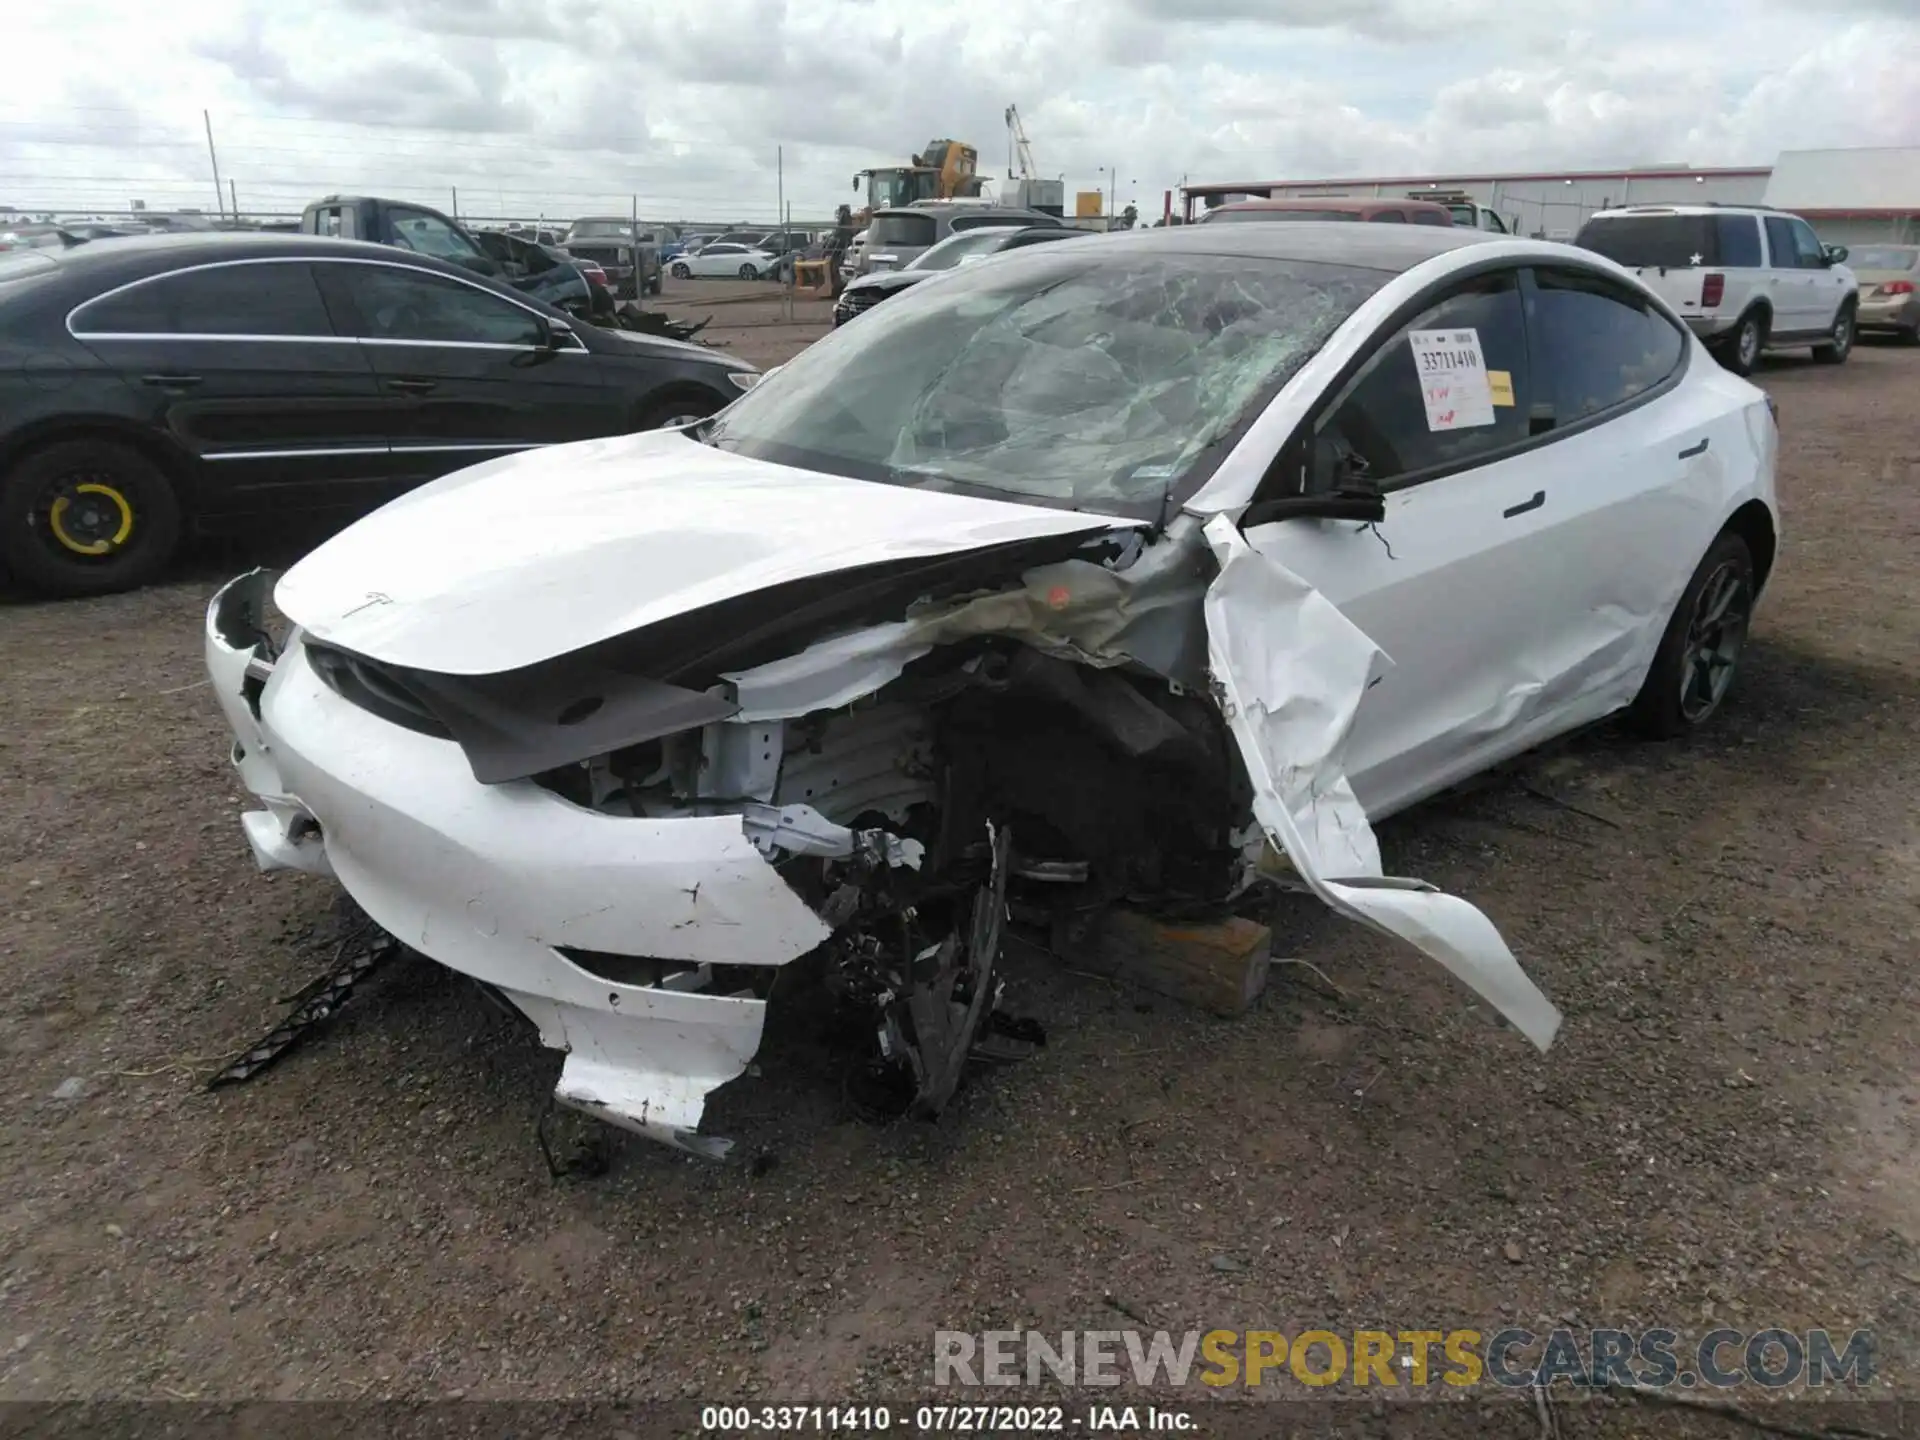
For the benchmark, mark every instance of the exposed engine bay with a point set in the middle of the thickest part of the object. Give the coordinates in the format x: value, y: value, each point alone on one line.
x: 986, y: 775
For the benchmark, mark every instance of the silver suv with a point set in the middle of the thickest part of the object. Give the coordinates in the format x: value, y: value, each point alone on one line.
x: 896, y: 236
x: 1744, y: 278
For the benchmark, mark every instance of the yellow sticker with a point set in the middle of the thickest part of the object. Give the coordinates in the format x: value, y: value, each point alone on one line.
x: 1500, y: 382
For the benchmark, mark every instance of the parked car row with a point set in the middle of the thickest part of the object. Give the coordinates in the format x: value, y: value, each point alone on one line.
x: 164, y: 385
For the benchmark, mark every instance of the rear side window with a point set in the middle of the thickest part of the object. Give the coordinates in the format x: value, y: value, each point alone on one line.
x: 1431, y: 217
x: 1391, y: 217
x: 1738, y: 242
x: 276, y: 298
x: 430, y: 235
x: 1599, y: 346
x: 1669, y: 242
x: 1780, y: 246
x: 914, y: 231
x: 1382, y: 421
x: 400, y: 304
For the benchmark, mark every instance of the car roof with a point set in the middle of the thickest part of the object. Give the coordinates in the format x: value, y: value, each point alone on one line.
x: 1359, y: 244
x: 1356, y: 204
x: 1643, y: 210
x: 94, y: 266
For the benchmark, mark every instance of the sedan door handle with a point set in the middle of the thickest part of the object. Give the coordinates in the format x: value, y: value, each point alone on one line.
x: 171, y: 382
x: 1539, y: 499
x: 412, y: 387
x: 1693, y: 450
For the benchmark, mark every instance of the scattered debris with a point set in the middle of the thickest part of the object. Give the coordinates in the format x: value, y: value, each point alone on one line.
x: 74, y: 1087
x: 592, y: 1153
x: 1512, y: 1251
x: 629, y: 316
x: 369, y: 948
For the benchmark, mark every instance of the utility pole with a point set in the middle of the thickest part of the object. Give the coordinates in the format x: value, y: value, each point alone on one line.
x: 219, y: 195
x: 234, y: 196
x: 455, y: 191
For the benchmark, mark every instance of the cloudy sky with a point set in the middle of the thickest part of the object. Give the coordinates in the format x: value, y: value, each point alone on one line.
x: 568, y: 106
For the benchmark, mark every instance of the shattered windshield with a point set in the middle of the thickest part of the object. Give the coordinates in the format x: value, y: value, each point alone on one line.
x: 1085, y: 381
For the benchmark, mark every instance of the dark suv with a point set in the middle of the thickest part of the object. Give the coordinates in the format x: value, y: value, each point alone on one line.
x: 629, y: 255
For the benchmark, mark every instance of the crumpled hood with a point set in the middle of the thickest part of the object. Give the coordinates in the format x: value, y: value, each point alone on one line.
x: 545, y: 552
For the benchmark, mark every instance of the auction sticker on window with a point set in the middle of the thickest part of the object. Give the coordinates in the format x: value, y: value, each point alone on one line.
x: 1453, y: 378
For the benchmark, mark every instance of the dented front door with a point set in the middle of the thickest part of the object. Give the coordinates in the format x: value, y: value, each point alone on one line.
x: 1290, y: 673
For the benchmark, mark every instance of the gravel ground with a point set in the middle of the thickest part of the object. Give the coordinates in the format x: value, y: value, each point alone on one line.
x: 1725, y: 1133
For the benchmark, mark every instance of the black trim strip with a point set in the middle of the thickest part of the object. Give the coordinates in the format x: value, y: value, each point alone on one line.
x: 1539, y: 499
x: 1693, y: 450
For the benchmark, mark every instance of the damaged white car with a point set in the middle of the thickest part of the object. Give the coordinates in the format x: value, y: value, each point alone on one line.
x: 1073, y: 578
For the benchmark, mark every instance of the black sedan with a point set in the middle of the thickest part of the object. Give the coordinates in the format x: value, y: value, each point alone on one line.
x: 156, y: 385
x: 957, y: 249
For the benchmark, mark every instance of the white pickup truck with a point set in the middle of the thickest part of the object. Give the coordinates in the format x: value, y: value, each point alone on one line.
x: 1466, y: 210
x: 1746, y: 279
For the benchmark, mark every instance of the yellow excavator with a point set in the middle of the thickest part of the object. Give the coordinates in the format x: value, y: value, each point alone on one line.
x: 944, y: 170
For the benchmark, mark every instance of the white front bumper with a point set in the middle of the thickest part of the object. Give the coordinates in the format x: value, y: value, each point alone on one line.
x: 489, y: 879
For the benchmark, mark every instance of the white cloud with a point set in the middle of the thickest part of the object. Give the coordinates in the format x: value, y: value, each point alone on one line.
x: 570, y: 105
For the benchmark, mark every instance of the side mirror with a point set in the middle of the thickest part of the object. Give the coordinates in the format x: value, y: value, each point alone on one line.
x: 1836, y: 254
x: 1333, y: 506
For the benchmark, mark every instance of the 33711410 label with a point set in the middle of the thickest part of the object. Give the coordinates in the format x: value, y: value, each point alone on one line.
x: 1453, y: 378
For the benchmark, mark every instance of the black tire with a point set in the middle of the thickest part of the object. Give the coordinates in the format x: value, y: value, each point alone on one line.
x: 681, y: 272
x: 1908, y: 336
x: 655, y: 285
x: 747, y: 272
x: 680, y: 409
x: 123, y: 501
x: 1684, y: 688
x: 1740, y: 352
x: 1836, y: 350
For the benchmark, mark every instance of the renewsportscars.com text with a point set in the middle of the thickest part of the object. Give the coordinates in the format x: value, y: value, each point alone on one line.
x: 1720, y: 1359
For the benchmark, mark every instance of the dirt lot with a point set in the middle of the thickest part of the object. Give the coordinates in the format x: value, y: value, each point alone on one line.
x: 751, y: 319
x: 1725, y: 1134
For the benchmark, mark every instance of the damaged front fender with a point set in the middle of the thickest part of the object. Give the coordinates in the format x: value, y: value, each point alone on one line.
x: 1290, y: 672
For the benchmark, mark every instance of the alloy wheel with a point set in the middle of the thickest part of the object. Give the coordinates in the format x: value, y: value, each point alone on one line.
x: 1716, y: 633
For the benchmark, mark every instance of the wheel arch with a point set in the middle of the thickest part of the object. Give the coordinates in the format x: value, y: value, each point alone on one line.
x: 673, y: 393
x: 1753, y: 523
x: 175, y: 463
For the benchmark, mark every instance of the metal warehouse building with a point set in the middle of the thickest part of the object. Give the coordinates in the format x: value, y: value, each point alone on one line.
x: 1851, y: 196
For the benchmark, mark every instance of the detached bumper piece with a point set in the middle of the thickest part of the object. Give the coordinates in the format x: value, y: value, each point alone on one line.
x: 358, y: 956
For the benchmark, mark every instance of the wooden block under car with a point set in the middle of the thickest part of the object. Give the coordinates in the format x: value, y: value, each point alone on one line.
x: 1220, y: 967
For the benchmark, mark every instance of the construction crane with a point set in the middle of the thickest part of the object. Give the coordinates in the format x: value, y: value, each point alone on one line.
x: 1018, y: 146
